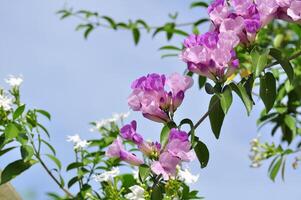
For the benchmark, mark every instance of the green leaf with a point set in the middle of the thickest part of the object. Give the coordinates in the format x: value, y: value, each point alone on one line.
x: 19, y: 111
x: 216, y: 115
x: 201, y: 21
x: 275, y: 169
x: 259, y: 60
x: 55, y: 160
x: 136, y: 35
x: 165, y: 132
x: 49, y: 146
x: 26, y: 152
x: 285, y: 63
x: 89, y: 29
x: 198, y: 4
x: 4, y: 151
x: 110, y: 21
x: 290, y: 123
x: 14, y: 169
x: 202, y: 80
x: 144, y: 172
x: 169, y: 47
x: 157, y: 193
x: 74, y: 165
x: 72, y: 181
x: 226, y: 99
x: 44, y: 113
x: 144, y: 24
x: 202, y: 153
x: 241, y: 91
x: 11, y: 131
x: 268, y: 90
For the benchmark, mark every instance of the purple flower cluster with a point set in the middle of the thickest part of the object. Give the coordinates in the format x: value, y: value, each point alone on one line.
x: 150, y: 97
x: 177, y: 150
x: 212, y: 54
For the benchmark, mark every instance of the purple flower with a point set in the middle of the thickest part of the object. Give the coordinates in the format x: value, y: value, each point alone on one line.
x: 150, y: 97
x: 252, y: 26
x: 166, y: 166
x: 192, y: 41
x: 294, y: 10
x: 178, y: 145
x: 128, y: 132
x: 218, y: 11
x: 212, y: 60
x: 116, y: 150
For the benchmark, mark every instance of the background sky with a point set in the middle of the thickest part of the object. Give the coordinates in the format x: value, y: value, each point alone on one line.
x: 79, y: 81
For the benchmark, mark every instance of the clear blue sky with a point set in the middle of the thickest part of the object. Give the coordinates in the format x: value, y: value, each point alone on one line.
x: 79, y: 81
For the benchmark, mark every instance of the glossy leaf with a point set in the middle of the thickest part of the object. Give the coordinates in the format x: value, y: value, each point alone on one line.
x: 226, y: 99
x: 202, y: 153
x: 285, y: 63
x: 14, y: 169
x: 268, y: 90
x: 216, y: 115
x: 19, y: 111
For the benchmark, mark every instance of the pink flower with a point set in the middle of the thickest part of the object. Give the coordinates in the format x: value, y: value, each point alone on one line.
x: 178, y: 145
x: 128, y: 132
x: 166, y: 166
x: 177, y: 149
x: 116, y: 150
x: 150, y: 97
x: 218, y: 11
x: 294, y: 10
x: 213, y: 59
x: 267, y: 10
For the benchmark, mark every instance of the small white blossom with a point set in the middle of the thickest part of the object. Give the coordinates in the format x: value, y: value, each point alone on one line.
x: 136, y: 194
x: 5, y: 102
x: 14, y: 81
x: 120, y: 116
x: 187, y: 177
x: 106, y: 122
x: 77, y: 141
x: 106, y: 176
x: 136, y: 174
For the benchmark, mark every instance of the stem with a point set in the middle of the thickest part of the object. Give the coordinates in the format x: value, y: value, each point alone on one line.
x: 205, y: 116
x: 37, y: 155
x: 97, y: 23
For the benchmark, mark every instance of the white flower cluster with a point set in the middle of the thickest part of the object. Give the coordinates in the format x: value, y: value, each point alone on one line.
x: 78, y: 143
x: 14, y: 81
x: 256, y: 157
x: 5, y: 102
x: 106, y: 122
x: 136, y: 194
x: 107, y: 176
x: 186, y: 176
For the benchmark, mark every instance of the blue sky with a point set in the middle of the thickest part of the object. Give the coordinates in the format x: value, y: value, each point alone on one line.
x: 79, y: 81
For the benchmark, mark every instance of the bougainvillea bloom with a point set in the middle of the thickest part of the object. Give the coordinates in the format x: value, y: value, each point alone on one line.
x: 116, y: 150
x: 151, y: 98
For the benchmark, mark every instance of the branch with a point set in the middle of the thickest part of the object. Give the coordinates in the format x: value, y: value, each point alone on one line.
x: 294, y: 56
x: 37, y: 155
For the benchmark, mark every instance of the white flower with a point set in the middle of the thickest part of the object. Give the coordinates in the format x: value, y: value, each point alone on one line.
x: 77, y: 141
x: 106, y: 122
x: 187, y: 177
x: 106, y: 176
x: 14, y: 81
x: 136, y: 194
x: 5, y: 102
x: 120, y: 116
x: 136, y: 174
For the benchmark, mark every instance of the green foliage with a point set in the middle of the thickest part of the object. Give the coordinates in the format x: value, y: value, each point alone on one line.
x: 216, y: 115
